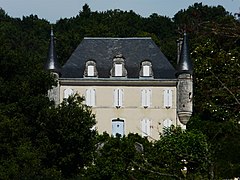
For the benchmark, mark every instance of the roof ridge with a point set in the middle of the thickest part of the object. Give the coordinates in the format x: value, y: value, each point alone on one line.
x: 117, y: 38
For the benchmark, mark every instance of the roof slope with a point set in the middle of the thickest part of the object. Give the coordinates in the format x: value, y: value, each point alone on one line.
x: 103, y: 50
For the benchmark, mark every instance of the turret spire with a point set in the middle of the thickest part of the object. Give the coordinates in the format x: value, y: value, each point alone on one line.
x: 185, y: 63
x: 185, y: 84
x: 52, y: 62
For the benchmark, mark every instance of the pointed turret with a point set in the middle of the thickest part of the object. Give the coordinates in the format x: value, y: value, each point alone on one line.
x: 185, y: 84
x: 185, y: 63
x: 52, y: 62
x: 54, y: 67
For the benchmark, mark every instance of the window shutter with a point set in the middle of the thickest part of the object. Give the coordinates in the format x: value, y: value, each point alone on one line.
x: 115, y: 97
x: 149, y: 94
x: 118, y: 69
x: 170, y: 98
x: 118, y: 97
x: 143, y: 97
x: 167, y: 98
x: 92, y: 97
x: 90, y: 70
x: 67, y: 92
x: 88, y: 97
x: 146, y: 70
x: 146, y: 127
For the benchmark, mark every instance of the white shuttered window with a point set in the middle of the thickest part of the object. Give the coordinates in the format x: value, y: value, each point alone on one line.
x: 168, y: 98
x: 90, y: 97
x: 118, y: 97
x: 146, y: 97
x: 67, y: 92
x: 146, y: 127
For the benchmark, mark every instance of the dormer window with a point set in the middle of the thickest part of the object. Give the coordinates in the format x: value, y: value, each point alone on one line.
x: 119, y: 69
x: 146, y: 69
x: 90, y: 69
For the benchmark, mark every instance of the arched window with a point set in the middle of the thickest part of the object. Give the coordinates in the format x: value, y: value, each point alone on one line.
x: 90, y: 69
x: 118, y: 127
x: 146, y: 69
x: 118, y: 69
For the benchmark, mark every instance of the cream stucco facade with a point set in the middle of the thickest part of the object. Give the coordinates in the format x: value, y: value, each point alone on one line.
x: 132, y: 112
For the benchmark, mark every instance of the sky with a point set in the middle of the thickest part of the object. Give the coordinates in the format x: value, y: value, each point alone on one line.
x: 53, y: 10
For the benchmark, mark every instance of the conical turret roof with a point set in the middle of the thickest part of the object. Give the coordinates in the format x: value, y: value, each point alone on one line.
x: 185, y: 63
x: 52, y: 63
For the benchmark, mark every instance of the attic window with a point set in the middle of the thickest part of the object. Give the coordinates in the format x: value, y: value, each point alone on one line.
x: 119, y: 69
x: 90, y: 69
x: 146, y: 69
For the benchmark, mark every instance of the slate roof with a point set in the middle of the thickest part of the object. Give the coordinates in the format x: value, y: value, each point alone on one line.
x: 103, y: 50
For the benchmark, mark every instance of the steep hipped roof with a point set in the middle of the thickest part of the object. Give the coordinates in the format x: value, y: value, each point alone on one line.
x: 185, y: 63
x: 52, y: 62
x: 103, y: 50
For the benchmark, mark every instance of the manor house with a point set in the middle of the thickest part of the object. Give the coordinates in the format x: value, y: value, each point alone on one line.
x: 128, y: 82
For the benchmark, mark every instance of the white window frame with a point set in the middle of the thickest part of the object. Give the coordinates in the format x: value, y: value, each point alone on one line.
x: 118, y: 70
x: 90, y: 97
x: 168, y: 98
x: 90, y: 70
x: 67, y: 92
x: 146, y: 70
x: 118, y: 98
x: 146, y: 97
x: 146, y: 127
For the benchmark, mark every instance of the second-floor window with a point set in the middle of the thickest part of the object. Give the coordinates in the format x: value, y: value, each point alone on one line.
x: 168, y: 98
x: 118, y: 98
x: 90, y: 97
x: 146, y: 97
x: 67, y: 92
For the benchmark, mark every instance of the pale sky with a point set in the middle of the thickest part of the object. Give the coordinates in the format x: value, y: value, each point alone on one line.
x: 53, y: 10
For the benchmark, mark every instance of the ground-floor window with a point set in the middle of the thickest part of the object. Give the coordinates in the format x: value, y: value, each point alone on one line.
x: 117, y: 127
